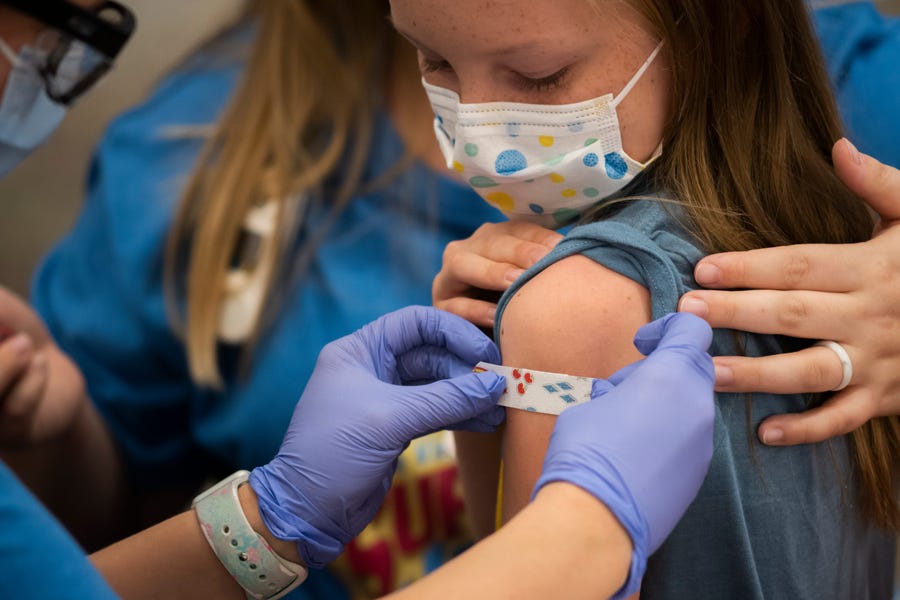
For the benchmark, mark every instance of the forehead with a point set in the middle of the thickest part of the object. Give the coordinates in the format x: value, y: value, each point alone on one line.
x: 495, y: 25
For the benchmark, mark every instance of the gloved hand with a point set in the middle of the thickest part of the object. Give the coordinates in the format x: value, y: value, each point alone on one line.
x: 643, y: 444
x: 359, y: 411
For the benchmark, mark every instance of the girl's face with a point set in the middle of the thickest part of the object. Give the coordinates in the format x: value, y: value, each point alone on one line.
x: 542, y: 52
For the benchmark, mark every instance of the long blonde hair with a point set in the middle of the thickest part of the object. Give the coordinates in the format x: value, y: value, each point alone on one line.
x: 748, y: 150
x: 306, y: 104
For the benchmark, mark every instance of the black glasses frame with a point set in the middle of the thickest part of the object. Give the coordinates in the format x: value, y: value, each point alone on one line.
x: 87, y: 26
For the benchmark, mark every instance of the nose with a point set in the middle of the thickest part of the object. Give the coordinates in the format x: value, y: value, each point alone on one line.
x: 477, y: 85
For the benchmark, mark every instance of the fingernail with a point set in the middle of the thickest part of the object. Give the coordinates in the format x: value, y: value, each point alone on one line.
x: 707, y: 274
x: 694, y: 305
x: 772, y: 436
x: 724, y: 375
x: 513, y: 274
x: 854, y: 153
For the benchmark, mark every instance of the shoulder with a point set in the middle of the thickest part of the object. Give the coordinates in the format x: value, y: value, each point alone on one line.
x: 147, y: 154
x: 576, y: 317
x: 191, y: 96
x: 643, y: 246
x: 135, y: 183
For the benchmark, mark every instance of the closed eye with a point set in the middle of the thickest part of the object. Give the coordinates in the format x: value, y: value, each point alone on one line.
x: 543, y: 84
x: 429, y: 65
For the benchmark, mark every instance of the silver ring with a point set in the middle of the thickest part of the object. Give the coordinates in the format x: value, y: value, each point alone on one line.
x: 846, y: 364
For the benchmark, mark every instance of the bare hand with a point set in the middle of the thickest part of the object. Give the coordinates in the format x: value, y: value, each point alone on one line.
x: 848, y: 293
x: 41, y: 389
x: 490, y: 260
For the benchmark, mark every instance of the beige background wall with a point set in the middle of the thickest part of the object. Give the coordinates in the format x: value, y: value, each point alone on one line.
x: 41, y: 199
x: 39, y: 202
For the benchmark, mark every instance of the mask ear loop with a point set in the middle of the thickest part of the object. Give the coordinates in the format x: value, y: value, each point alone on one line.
x: 637, y: 76
x: 10, y: 54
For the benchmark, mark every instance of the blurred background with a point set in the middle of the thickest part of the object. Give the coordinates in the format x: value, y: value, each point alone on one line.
x: 42, y: 198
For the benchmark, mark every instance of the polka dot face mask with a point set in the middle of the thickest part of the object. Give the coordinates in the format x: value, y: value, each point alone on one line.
x: 542, y: 163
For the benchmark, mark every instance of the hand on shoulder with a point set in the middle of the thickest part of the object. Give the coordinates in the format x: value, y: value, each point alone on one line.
x: 845, y: 293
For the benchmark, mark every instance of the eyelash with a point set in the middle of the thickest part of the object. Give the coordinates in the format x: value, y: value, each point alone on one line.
x: 430, y: 66
x: 543, y: 84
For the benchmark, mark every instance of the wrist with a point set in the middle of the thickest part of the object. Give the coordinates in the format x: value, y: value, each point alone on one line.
x: 569, y: 499
x: 250, y: 506
x: 244, y: 552
x: 587, y: 523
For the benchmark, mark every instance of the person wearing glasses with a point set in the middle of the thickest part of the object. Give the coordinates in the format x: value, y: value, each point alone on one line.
x: 55, y: 51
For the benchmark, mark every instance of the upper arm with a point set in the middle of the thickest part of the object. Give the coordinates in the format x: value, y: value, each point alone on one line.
x: 576, y: 317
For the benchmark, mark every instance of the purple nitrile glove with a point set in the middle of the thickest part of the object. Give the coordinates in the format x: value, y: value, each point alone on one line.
x: 359, y: 411
x: 643, y: 444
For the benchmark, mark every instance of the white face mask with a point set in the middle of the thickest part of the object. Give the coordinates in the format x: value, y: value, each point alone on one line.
x: 27, y: 114
x: 541, y: 163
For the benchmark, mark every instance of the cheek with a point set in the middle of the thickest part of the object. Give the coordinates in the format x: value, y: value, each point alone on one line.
x: 644, y: 113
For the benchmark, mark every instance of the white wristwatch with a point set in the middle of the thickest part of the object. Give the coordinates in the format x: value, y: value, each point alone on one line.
x: 245, y: 553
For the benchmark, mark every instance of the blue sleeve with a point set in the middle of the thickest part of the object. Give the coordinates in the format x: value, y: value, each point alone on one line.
x: 641, y: 242
x: 100, y: 290
x: 40, y: 559
x: 862, y: 52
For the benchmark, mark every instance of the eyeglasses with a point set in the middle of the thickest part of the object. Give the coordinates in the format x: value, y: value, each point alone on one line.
x: 84, y: 45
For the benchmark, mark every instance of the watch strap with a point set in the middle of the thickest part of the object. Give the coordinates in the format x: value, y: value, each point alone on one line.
x: 252, y: 562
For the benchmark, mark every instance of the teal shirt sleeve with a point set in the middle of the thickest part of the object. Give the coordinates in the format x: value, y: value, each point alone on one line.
x: 100, y: 290
x: 629, y: 244
x: 40, y: 559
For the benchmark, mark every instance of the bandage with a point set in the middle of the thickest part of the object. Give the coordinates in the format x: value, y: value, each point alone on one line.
x: 539, y: 391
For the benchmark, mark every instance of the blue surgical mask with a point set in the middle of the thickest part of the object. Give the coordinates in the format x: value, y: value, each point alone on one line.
x: 27, y: 114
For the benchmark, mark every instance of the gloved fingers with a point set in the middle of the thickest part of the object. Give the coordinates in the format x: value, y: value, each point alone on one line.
x: 674, y: 331
x: 428, y: 364
x: 601, y: 386
x: 620, y: 375
x: 447, y: 403
x: 417, y: 326
x: 487, y: 422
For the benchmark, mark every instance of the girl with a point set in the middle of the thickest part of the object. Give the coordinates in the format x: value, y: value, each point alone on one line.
x: 670, y: 130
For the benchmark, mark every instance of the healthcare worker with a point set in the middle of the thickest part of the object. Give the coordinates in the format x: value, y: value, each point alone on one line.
x: 641, y: 447
x: 356, y: 416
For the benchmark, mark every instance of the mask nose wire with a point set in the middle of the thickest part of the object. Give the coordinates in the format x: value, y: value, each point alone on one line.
x: 637, y: 76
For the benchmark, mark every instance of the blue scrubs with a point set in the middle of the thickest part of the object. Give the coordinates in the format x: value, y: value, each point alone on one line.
x: 862, y: 51
x: 39, y: 559
x: 101, y: 294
